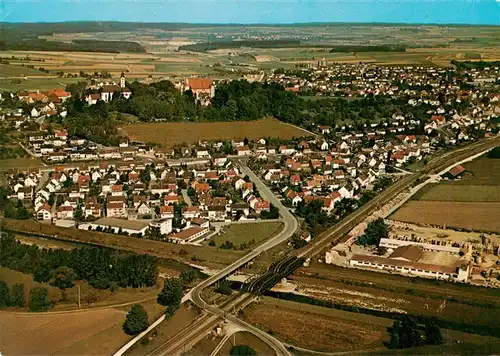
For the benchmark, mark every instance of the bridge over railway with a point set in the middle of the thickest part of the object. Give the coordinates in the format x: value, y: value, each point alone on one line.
x: 294, y: 260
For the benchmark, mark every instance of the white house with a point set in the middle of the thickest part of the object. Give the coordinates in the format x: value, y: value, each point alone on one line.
x: 44, y: 213
x: 165, y: 226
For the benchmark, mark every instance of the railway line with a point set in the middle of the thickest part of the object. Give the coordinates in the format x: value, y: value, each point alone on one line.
x: 201, y: 326
x: 289, y: 264
x: 293, y: 261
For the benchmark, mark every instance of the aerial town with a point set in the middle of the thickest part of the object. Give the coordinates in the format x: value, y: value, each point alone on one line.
x: 205, y: 214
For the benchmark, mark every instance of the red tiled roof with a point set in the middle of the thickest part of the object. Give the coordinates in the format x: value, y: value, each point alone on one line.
x: 167, y: 209
x: 455, y: 171
x: 199, y: 83
x: 60, y: 93
x: 114, y: 205
x: 202, y: 187
x: 111, y: 89
x: 188, y: 233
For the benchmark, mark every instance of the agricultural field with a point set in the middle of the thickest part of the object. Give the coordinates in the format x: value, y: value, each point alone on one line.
x: 461, y: 305
x: 239, y: 234
x: 35, y: 83
x: 170, y: 134
x: 464, y: 215
x: 483, y: 171
x: 165, y: 56
x: 7, y: 70
x: 94, y: 332
x: 90, y: 297
x: 20, y: 163
x: 459, y: 193
x: 471, y: 202
x: 334, y: 330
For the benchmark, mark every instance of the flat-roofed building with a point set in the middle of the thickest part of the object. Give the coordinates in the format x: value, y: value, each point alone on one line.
x: 458, y: 273
x: 188, y: 235
x: 116, y: 226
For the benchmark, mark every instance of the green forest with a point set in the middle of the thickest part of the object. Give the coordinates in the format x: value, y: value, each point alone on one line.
x: 38, y: 44
x: 474, y: 64
x: 102, y: 268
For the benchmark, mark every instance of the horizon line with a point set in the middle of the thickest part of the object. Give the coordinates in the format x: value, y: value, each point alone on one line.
x: 381, y: 23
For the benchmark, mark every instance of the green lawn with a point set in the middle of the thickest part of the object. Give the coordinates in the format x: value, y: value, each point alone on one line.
x: 8, y: 70
x: 452, y: 192
x: 36, y: 83
x: 20, y: 163
x: 244, y: 233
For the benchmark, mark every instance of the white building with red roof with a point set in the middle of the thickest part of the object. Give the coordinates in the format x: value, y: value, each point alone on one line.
x: 203, y: 89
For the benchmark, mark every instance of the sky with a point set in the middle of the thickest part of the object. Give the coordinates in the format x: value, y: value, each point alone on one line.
x: 254, y: 11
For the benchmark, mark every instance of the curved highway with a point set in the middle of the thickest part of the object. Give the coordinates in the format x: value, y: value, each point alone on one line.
x: 290, y: 226
x: 329, y: 236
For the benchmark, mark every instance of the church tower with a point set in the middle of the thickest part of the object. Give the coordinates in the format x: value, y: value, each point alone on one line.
x: 122, y: 81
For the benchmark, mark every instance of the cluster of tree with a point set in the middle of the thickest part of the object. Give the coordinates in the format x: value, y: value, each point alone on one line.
x: 241, y: 100
x: 10, y: 209
x: 314, y: 216
x: 375, y: 230
x: 318, y: 220
x: 95, y: 123
x: 273, y: 213
x: 11, y: 297
x: 376, y: 48
x: 210, y: 46
x: 15, y: 297
x: 224, y: 287
x: 227, y: 245
x: 171, y: 294
x: 233, y: 101
x: 382, y: 183
x: 158, y: 101
x: 406, y: 334
x: 242, y: 350
x: 8, y: 152
x: 39, y: 300
x: 102, y: 268
x: 30, y: 43
x: 474, y: 64
x: 494, y: 153
x: 136, y: 320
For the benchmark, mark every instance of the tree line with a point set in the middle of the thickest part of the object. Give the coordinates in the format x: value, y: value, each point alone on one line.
x: 475, y: 64
x: 224, y: 44
x: 15, y: 297
x: 102, y: 268
x: 407, y: 333
x: 376, y: 48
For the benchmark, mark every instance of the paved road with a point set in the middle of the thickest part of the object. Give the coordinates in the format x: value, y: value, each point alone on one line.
x: 186, y: 197
x: 43, y: 179
x: 290, y: 225
x: 322, y: 241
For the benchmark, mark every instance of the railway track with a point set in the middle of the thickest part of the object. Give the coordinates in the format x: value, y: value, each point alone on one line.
x: 290, y: 263
x: 187, y: 337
